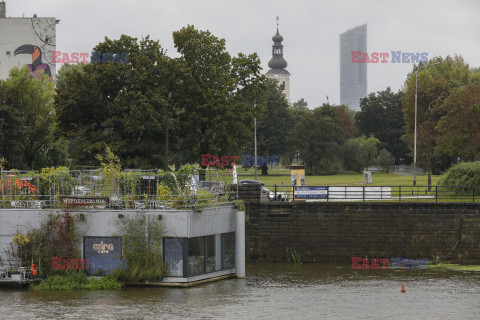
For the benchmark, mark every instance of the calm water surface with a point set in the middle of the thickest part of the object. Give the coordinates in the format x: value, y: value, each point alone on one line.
x: 271, y: 291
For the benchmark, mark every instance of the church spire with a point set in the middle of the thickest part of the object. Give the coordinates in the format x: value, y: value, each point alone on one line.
x: 277, y: 61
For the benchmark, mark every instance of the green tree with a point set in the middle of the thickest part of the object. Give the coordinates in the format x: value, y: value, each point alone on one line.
x: 385, y: 159
x: 318, y: 140
x: 27, y: 122
x: 458, y: 131
x: 217, y: 95
x: 381, y: 116
x: 359, y: 153
x: 275, y: 123
x: 301, y: 104
x: 345, y: 120
x: 436, y: 81
x: 121, y: 105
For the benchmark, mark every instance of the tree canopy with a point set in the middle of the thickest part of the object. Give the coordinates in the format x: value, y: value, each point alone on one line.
x: 381, y: 116
x: 447, y: 76
x: 204, y: 99
x: 27, y: 122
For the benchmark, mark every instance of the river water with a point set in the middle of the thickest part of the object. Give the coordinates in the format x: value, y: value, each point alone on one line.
x: 270, y: 291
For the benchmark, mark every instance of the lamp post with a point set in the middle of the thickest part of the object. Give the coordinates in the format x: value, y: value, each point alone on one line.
x: 415, y: 134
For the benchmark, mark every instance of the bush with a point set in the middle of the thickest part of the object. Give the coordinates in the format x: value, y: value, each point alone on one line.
x: 141, y: 254
x: 462, y: 174
x: 385, y: 159
x: 359, y: 153
x: 77, y: 281
x: 56, y: 237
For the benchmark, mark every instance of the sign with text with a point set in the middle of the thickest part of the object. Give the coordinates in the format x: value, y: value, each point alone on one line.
x: 311, y: 192
x: 85, y: 201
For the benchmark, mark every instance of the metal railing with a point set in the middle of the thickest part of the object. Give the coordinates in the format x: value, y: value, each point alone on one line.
x: 373, y: 193
x: 115, y: 202
x: 129, y: 189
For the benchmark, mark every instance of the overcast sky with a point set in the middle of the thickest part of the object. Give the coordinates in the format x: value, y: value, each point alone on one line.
x: 310, y: 29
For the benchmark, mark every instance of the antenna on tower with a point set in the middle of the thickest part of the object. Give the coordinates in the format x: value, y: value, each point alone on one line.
x: 277, y: 21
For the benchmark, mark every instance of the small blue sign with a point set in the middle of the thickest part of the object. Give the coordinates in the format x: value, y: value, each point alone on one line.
x: 311, y: 192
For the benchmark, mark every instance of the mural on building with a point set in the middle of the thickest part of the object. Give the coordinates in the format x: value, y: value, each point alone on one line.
x: 37, y: 63
x: 44, y: 29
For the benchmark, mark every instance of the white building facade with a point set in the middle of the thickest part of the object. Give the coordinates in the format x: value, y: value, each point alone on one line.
x: 27, y: 41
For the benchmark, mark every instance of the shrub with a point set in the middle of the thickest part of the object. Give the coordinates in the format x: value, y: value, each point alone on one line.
x: 77, y: 281
x: 385, y: 159
x: 141, y: 250
x: 56, y: 237
x: 462, y: 174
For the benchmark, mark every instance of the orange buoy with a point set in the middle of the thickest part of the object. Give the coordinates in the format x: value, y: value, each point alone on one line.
x: 33, y: 269
x: 403, y: 289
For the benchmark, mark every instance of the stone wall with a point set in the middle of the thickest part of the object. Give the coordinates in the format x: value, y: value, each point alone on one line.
x: 327, y: 231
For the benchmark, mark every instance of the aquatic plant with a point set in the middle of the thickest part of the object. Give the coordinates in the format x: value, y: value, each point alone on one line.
x: 445, y: 267
x: 293, y: 256
x: 77, y: 281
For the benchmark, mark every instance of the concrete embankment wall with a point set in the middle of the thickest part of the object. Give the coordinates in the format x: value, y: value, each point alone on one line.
x: 323, y: 232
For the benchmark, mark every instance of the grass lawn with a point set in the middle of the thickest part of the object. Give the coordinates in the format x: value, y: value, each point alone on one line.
x: 378, y: 178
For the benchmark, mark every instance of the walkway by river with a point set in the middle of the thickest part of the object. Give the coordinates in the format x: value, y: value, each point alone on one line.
x: 271, y: 291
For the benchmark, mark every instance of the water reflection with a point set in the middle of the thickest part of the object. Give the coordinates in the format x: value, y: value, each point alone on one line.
x: 271, y: 291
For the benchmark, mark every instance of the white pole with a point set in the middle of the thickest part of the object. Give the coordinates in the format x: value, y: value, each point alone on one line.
x: 240, y: 244
x: 255, y: 149
x: 255, y: 125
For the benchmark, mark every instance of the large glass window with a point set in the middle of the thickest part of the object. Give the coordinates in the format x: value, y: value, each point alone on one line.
x: 196, y: 256
x: 210, y: 261
x: 173, y: 253
x: 228, y: 248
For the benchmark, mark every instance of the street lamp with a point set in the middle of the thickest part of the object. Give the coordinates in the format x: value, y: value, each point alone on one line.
x: 415, y: 134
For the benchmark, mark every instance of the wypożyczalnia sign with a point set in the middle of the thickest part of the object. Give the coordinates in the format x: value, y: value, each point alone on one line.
x: 85, y: 201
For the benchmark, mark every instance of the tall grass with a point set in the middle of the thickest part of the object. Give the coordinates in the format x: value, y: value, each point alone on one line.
x: 77, y: 281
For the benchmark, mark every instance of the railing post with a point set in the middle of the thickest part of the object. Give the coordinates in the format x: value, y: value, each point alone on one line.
x: 363, y: 193
x: 473, y: 194
x: 328, y: 192
x: 399, y: 193
x: 275, y: 192
x: 436, y: 193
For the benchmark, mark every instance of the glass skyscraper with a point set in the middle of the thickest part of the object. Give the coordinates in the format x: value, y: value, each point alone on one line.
x: 353, y: 76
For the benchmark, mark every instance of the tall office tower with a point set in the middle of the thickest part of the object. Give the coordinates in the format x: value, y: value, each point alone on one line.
x: 353, y: 76
x: 27, y: 41
x: 278, y: 65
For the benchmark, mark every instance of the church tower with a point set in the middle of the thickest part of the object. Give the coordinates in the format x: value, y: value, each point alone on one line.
x: 278, y: 64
